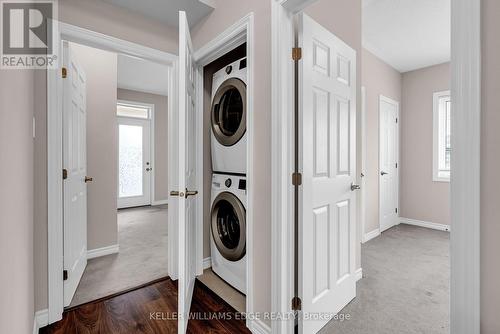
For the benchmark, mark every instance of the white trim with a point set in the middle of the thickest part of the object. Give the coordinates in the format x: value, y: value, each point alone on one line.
x: 370, y: 235
x: 40, y: 320
x: 259, y: 327
x: 160, y: 202
x: 103, y: 251
x: 240, y: 32
x: 388, y: 100
x: 358, y: 274
x: 435, y: 136
x: 54, y: 148
x: 421, y: 223
x: 465, y: 238
x: 362, y: 193
x: 207, y: 263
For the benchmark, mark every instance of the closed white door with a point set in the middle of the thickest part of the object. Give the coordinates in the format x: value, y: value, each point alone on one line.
x: 388, y: 160
x: 134, y: 162
x: 327, y: 155
x: 74, y: 173
x: 186, y: 191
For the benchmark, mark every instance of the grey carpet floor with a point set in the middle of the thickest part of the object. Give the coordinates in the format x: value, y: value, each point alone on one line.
x: 142, y: 237
x: 405, y: 285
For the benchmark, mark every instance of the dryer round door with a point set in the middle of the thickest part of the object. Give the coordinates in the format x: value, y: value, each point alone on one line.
x: 229, y: 226
x: 229, y: 112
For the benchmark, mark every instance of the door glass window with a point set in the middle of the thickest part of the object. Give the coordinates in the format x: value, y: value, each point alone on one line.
x: 130, y: 161
x: 229, y: 112
x: 228, y: 226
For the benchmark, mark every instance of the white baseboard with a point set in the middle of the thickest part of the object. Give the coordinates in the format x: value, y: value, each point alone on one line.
x: 98, y: 252
x: 161, y: 202
x: 207, y: 263
x: 41, y: 320
x: 359, y: 274
x: 370, y: 235
x: 259, y: 327
x: 421, y: 223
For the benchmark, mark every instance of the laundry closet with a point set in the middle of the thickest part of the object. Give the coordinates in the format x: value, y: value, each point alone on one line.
x: 224, y: 175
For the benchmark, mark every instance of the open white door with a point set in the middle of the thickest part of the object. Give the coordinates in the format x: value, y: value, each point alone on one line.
x: 74, y: 173
x: 186, y: 191
x: 389, y: 179
x: 327, y: 158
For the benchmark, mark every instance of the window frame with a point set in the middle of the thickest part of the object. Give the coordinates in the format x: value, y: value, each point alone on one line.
x: 135, y: 104
x: 437, y: 173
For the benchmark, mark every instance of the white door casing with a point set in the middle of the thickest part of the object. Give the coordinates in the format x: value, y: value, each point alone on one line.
x: 388, y: 160
x: 75, y: 163
x: 187, y: 138
x: 327, y: 155
x: 127, y: 128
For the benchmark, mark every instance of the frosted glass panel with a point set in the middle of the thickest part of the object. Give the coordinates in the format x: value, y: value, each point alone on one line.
x: 130, y: 161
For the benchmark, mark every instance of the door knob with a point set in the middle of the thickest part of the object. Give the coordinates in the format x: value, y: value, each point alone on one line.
x: 191, y: 193
x: 88, y: 179
x: 383, y: 173
x: 355, y: 187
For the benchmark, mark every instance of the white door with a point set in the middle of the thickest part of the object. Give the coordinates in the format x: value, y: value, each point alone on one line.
x: 74, y: 173
x: 186, y: 206
x: 134, y: 162
x: 327, y: 155
x: 388, y: 160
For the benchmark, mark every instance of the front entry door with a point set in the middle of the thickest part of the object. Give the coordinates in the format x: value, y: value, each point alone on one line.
x: 186, y: 191
x: 327, y: 157
x: 134, y: 162
x: 388, y: 173
x: 74, y: 173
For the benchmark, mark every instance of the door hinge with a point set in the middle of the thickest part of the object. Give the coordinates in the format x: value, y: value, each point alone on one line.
x: 65, y: 174
x: 296, y: 179
x: 65, y: 275
x: 296, y: 54
x: 396, y: 210
x: 296, y: 304
x: 64, y: 72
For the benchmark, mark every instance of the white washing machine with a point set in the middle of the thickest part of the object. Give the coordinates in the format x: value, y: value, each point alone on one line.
x: 228, y: 229
x: 229, y: 118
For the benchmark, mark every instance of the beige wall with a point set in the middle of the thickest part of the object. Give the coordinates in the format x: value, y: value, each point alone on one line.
x: 379, y: 79
x: 160, y: 168
x: 104, y: 18
x: 490, y: 167
x: 342, y: 17
x: 420, y: 197
x: 16, y: 201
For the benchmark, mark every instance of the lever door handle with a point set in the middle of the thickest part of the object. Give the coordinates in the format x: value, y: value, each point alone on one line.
x: 355, y: 187
x: 191, y: 193
x: 88, y: 179
x: 383, y: 173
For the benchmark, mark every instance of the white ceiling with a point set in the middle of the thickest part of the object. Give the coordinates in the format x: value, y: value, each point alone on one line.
x: 408, y: 34
x: 167, y: 11
x: 142, y: 75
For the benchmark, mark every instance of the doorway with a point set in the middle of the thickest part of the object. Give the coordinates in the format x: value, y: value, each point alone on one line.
x: 135, y: 144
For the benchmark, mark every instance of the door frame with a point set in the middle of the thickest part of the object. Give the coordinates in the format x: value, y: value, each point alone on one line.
x: 242, y: 31
x: 151, y: 119
x: 386, y: 99
x: 55, y: 251
x: 465, y: 180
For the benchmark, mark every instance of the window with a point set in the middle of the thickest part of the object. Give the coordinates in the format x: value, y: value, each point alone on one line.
x: 442, y: 136
x: 126, y: 109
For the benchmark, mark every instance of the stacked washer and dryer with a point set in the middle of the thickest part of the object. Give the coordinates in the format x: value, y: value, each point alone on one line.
x: 229, y: 161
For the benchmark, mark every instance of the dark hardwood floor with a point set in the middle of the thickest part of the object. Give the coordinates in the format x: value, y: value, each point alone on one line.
x: 149, y: 310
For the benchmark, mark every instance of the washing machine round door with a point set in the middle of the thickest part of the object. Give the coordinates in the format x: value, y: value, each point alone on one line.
x: 229, y: 226
x: 229, y: 112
